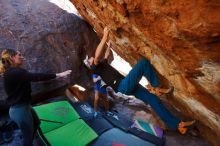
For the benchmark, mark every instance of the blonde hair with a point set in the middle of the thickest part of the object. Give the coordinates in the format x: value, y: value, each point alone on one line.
x: 6, y: 61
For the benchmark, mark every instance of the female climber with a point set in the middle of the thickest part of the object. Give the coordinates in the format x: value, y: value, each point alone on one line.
x: 129, y: 85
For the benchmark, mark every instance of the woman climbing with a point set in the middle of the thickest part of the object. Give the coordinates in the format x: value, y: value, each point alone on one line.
x: 129, y: 85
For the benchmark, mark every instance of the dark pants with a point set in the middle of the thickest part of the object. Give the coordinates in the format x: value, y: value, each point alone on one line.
x: 130, y: 86
x: 27, y: 120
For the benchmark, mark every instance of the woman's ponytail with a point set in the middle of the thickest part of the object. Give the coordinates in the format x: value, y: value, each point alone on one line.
x: 6, y: 61
x: 2, y: 68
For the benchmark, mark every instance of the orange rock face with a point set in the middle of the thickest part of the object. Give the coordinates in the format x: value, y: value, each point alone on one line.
x: 182, y: 41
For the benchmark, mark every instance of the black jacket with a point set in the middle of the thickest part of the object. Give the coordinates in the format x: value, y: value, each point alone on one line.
x: 108, y: 74
x: 17, y: 83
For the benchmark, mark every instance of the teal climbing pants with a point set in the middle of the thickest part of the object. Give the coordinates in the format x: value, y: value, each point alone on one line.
x: 130, y: 86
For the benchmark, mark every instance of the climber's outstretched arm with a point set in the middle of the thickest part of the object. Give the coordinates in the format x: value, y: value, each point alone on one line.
x: 100, y: 47
x: 108, y: 50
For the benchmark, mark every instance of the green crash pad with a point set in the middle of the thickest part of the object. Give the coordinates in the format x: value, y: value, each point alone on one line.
x: 61, y: 125
x: 55, y: 115
x: 76, y: 133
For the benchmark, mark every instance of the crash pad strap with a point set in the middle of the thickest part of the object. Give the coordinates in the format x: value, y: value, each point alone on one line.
x: 147, y: 136
x: 44, y: 139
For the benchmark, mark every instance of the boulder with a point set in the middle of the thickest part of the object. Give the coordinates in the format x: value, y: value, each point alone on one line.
x: 51, y: 38
x: 180, y: 38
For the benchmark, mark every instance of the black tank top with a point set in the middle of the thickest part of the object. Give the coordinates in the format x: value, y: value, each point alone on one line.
x: 108, y: 74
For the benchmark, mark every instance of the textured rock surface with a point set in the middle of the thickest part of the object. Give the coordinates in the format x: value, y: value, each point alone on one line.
x: 50, y: 38
x: 180, y: 38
